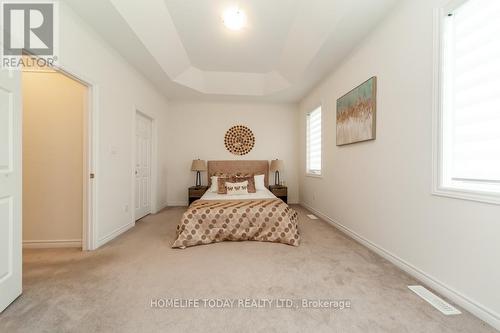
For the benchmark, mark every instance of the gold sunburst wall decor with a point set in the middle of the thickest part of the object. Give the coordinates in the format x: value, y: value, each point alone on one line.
x: 239, y: 140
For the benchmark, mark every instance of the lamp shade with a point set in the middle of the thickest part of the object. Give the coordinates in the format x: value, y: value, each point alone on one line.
x: 198, y: 165
x: 277, y: 165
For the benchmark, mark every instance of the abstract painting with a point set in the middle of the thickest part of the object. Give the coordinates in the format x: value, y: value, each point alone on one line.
x: 356, y: 114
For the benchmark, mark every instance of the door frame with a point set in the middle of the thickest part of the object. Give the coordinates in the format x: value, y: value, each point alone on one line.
x: 90, y: 156
x: 153, y: 163
x: 90, y: 175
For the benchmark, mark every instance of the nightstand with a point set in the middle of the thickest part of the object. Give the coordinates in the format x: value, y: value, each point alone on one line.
x: 196, y: 192
x: 280, y: 191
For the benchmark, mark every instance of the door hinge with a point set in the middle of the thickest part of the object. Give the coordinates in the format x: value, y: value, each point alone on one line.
x: 92, y: 176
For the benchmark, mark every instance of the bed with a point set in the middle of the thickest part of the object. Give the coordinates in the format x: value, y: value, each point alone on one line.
x: 258, y: 216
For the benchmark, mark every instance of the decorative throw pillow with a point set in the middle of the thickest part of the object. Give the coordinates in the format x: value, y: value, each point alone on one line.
x: 237, y: 188
x: 243, y: 175
x: 259, y: 182
x: 249, y: 179
x: 221, y: 184
x: 214, y: 184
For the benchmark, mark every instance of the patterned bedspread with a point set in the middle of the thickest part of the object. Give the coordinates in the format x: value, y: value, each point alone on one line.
x: 267, y: 220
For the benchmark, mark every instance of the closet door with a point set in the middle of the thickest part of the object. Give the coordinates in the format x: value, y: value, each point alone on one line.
x: 143, y: 141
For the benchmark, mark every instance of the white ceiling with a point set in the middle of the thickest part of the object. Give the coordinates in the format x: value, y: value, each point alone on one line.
x: 213, y: 47
x: 185, y: 50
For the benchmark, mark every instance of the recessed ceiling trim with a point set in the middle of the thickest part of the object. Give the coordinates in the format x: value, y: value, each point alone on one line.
x: 308, y: 34
x: 320, y: 33
x: 164, y: 44
x: 229, y: 83
x: 154, y: 27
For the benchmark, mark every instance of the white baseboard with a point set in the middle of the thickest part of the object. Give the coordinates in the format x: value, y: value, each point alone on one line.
x: 48, y: 244
x: 114, y: 234
x: 477, y: 309
x: 163, y: 206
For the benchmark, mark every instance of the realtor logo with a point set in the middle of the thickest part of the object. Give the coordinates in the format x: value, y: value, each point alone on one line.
x: 29, y: 28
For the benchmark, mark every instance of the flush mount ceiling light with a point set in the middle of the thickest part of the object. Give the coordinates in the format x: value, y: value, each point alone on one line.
x: 234, y: 18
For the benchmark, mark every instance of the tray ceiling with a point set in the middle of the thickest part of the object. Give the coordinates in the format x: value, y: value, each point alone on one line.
x: 183, y: 47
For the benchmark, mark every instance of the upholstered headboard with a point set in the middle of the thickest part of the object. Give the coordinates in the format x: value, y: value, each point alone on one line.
x: 238, y: 166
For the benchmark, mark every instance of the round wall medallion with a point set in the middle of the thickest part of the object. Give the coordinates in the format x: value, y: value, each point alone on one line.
x: 239, y: 140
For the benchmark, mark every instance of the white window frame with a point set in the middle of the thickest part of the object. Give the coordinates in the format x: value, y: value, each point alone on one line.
x: 443, y: 185
x: 308, y: 172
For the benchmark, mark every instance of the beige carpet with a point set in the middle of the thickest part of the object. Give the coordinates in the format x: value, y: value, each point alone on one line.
x: 110, y: 290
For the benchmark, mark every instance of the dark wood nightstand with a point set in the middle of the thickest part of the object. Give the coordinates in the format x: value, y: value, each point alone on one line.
x: 280, y: 191
x: 196, y: 192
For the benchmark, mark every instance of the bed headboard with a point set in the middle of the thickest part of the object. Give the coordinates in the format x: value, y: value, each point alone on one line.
x: 238, y: 166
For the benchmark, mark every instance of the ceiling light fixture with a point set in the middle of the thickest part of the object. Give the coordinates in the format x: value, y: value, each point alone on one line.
x: 234, y: 18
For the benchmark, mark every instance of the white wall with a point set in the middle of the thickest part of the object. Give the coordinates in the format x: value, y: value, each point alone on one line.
x: 381, y: 190
x: 121, y: 89
x: 196, y: 130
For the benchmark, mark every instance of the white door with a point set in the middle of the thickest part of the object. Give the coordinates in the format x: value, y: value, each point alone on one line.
x: 10, y: 187
x: 143, y: 135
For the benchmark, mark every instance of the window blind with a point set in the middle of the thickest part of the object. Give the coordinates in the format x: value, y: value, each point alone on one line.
x: 314, y: 142
x: 472, y: 91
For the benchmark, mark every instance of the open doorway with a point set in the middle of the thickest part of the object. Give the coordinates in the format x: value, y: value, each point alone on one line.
x: 56, y: 159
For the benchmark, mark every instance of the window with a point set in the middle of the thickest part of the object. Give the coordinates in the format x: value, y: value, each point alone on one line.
x: 469, y: 101
x: 314, y: 142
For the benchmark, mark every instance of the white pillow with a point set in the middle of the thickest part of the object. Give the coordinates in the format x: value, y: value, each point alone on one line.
x: 214, y: 186
x: 259, y: 182
x: 237, y: 188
